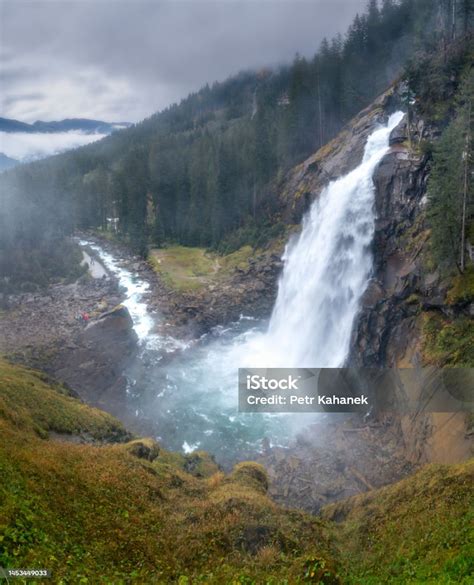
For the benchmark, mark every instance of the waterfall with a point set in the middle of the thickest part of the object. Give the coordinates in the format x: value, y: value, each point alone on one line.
x: 191, y: 398
x: 326, y: 271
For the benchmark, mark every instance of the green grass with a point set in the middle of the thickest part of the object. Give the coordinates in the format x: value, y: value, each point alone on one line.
x: 183, y: 268
x: 131, y: 512
x: 236, y: 260
x: 134, y: 513
x: 419, y: 530
x: 190, y: 269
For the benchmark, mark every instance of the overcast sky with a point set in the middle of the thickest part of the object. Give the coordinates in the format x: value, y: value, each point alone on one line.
x: 123, y: 60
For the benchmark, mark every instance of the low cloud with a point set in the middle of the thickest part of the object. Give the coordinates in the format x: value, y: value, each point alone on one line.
x: 25, y: 146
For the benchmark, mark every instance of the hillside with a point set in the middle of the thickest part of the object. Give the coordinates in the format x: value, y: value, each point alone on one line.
x: 81, y: 505
x: 82, y: 498
x: 315, y: 217
x: 419, y: 530
x: 202, y: 172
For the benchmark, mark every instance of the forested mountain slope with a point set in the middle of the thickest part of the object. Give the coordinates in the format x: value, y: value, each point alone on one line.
x: 203, y: 172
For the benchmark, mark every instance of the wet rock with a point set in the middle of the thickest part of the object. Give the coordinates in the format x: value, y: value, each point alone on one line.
x: 384, y: 327
x: 374, y: 293
x: 116, y: 322
x: 399, y: 135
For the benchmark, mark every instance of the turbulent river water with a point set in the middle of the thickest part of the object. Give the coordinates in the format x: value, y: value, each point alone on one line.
x: 187, y: 393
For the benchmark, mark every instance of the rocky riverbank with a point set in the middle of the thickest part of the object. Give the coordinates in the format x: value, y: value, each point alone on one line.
x: 45, y: 330
x: 33, y: 324
x: 336, y: 458
x: 248, y: 289
x: 243, y: 283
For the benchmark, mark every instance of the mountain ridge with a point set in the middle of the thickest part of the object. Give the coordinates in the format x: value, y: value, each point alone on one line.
x: 85, y: 125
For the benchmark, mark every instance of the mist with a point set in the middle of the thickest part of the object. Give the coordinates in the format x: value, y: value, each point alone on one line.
x: 25, y: 146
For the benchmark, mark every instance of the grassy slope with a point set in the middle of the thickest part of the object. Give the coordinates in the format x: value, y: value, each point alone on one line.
x: 132, y: 513
x: 183, y: 268
x: 419, y: 530
x: 29, y: 402
x: 103, y: 514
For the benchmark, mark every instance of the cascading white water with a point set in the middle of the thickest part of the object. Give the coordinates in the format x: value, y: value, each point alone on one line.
x: 326, y: 271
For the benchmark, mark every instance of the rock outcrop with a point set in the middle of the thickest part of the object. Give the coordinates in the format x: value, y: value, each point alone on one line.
x: 249, y: 291
x: 93, y: 364
x: 344, y: 153
x: 385, y: 332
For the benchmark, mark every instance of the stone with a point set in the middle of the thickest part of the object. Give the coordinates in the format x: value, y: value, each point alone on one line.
x: 399, y: 135
x: 94, y: 363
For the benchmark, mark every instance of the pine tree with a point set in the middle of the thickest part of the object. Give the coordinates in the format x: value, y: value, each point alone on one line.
x: 450, y: 189
x: 466, y: 9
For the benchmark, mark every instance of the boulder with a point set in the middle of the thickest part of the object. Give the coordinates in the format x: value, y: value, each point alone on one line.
x: 147, y: 449
x: 110, y: 324
x: 94, y: 364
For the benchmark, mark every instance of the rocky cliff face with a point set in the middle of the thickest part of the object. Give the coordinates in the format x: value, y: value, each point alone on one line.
x: 305, y: 182
x: 386, y: 332
x: 405, y: 289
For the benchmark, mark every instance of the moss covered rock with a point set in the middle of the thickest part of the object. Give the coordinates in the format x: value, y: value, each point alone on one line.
x: 250, y: 474
x: 147, y: 449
